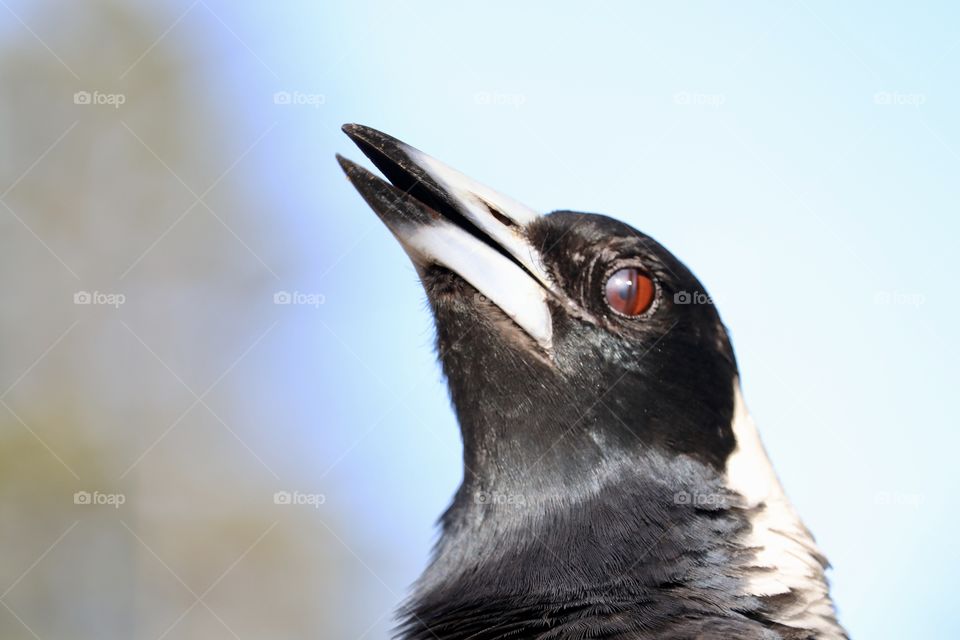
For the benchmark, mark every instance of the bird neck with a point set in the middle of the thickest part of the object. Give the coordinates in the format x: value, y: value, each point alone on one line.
x: 787, y: 566
x: 653, y: 538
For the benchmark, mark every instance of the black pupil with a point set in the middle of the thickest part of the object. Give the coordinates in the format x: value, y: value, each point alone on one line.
x: 625, y: 284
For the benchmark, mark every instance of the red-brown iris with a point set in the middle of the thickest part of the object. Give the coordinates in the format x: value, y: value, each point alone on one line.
x: 629, y: 291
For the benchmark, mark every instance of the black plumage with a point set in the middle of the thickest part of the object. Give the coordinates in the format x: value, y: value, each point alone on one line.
x: 599, y: 497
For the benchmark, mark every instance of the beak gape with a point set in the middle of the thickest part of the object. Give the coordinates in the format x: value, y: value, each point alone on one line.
x: 427, y: 207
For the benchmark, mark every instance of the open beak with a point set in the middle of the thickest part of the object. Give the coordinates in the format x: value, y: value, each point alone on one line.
x: 441, y: 217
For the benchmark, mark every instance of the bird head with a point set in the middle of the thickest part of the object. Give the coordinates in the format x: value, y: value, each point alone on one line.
x: 567, y: 339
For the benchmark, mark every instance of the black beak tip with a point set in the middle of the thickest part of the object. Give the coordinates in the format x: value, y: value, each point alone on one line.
x: 356, y: 174
x: 361, y: 179
x: 362, y: 135
x: 373, y: 142
x: 346, y: 165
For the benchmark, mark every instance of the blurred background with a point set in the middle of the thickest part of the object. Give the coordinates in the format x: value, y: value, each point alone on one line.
x: 220, y: 415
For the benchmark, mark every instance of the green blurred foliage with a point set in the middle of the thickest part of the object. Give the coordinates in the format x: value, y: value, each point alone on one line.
x: 98, y: 399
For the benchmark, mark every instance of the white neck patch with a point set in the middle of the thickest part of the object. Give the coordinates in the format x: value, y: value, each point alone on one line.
x: 787, y: 559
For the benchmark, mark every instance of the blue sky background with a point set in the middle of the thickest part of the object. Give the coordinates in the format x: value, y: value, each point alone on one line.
x: 801, y: 157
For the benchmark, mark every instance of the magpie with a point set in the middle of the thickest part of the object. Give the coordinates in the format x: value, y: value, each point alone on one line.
x: 614, y: 485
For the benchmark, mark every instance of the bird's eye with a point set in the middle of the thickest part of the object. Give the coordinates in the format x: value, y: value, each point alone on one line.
x: 629, y: 292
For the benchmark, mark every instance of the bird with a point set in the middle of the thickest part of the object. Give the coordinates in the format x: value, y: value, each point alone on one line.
x: 614, y: 484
